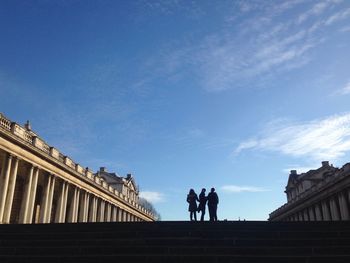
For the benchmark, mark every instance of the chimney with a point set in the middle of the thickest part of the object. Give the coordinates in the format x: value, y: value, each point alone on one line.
x: 28, y: 126
x: 128, y: 176
x: 293, y: 172
x: 325, y: 163
x: 103, y: 170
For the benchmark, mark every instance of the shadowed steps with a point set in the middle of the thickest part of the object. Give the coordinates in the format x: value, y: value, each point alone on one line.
x: 224, y: 241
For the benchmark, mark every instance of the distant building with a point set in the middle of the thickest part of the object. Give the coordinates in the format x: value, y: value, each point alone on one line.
x: 125, y: 185
x: 317, y: 195
x: 38, y: 184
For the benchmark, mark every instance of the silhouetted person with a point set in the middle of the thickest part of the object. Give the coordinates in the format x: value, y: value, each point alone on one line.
x: 202, y: 203
x: 213, y: 201
x: 192, y: 199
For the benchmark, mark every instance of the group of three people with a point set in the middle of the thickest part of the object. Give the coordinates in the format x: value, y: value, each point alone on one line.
x: 212, y: 200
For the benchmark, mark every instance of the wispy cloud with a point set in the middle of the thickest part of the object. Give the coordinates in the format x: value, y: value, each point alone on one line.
x: 344, y: 29
x: 338, y: 16
x: 241, y: 189
x: 345, y: 90
x: 321, y: 139
x: 168, y: 7
x: 152, y: 197
x: 316, y: 9
x: 270, y: 47
x: 262, y: 41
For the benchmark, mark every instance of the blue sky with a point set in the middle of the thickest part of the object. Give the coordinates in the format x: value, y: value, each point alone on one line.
x: 184, y: 94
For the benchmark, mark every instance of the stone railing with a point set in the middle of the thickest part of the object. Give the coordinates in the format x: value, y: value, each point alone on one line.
x: 26, y: 136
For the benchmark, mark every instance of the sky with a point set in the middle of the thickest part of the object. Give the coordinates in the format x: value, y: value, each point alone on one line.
x: 184, y: 94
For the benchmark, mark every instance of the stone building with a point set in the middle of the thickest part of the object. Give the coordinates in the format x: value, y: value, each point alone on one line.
x: 317, y: 195
x: 125, y: 185
x: 38, y: 184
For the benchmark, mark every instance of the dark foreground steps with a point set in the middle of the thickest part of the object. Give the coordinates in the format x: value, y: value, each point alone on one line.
x: 225, y: 241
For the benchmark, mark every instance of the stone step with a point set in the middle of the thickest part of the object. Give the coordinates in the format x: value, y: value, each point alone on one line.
x: 147, y: 226
x: 216, y: 242
x: 177, y: 242
x: 176, y: 259
x: 177, y: 233
x: 177, y: 250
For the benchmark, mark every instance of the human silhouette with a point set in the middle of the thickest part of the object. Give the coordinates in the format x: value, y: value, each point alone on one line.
x: 213, y: 201
x: 202, y: 203
x: 192, y: 199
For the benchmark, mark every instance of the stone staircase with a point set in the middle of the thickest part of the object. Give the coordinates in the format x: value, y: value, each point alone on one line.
x: 176, y: 242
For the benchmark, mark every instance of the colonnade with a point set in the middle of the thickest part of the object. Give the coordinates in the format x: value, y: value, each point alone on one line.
x: 333, y: 208
x: 29, y: 194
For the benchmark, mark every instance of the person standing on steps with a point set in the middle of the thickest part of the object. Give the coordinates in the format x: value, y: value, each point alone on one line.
x: 202, y: 203
x: 213, y: 201
x: 192, y: 199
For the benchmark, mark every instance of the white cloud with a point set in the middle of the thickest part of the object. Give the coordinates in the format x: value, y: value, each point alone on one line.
x: 345, y: 90
x: 240, y: 189
x: 261, y: 41
x: 260, y: 48
x: 152, y: 197
x: 344, y: 29
x: 338, y: 16
x: 323, y: 139
x: 315, y: 10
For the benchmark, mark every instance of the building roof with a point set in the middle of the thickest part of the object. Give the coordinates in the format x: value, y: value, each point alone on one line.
x: 315, y: 175
x: 115, y: 179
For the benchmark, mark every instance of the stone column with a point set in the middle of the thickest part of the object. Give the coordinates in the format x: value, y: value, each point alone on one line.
x: 92, y: 209
x: 87, y: 206
x: 49, y: 205
x: 72, y: 215
x: 311, y: 214
x: 318, y: 214
x: 108, y: 214
x: 82, y: 207
x: 118, y: 214
x: 344, y: 209
x: 300, y: 216
x: 4, y: 181
x: 306, y: 214
x: 121, y: 215
x: 10, y: 191
x: 26, y: 196
x: 114, y: 214
x: 64, y: 212
x: 102, y: 211
x: 61, y: 204
x: 334, y: 210
x: 32, y: 197
x: 45, y: 200
x: 325, y: 211
x: 77, y: 206
x: 127, y: 216
x: 95, y: 209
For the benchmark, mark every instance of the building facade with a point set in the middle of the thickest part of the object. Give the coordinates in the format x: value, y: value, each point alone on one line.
x: 317, y: 195
x: 38, y: 184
